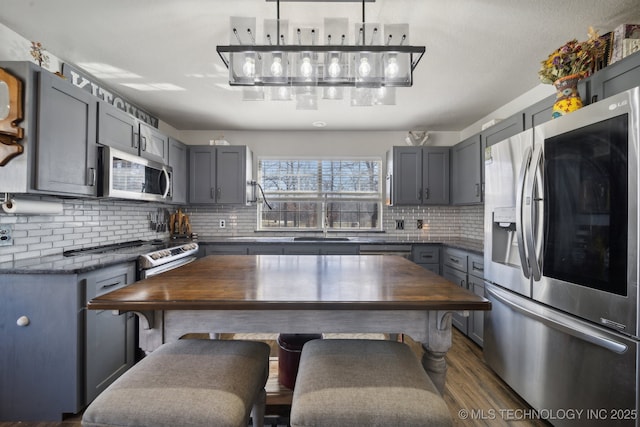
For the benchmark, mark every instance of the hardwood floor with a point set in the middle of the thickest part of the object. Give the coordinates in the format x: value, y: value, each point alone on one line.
x: 474, y: 394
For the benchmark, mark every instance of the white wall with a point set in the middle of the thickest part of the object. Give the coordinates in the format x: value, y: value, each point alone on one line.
x: 14, y: 47
x: 321, y: 144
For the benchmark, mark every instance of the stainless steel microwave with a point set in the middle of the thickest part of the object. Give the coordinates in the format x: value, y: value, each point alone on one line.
x: 127, y: 176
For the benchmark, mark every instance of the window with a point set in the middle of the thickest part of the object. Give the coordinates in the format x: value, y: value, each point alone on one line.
x: 320, y: 194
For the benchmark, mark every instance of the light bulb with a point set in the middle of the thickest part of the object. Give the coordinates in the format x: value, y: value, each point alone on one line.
x: 276, y: 67
x: 334, y: 67
x: 392, y: 69
x: 306, y: 69
x: 249, y: 67
x: 365, y: 68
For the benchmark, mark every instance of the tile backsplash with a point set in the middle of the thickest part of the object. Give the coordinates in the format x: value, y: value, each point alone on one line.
x: 87, y: 223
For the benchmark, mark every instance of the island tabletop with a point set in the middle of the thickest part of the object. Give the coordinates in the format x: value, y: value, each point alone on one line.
x: 298, y: 294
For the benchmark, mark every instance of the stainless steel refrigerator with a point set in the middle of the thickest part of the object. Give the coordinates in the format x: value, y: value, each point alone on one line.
x: 561, y: 264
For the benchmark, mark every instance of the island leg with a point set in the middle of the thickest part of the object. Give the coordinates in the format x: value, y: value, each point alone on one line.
x: 436, y: 347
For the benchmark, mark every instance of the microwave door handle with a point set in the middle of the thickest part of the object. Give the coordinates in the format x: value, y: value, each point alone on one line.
x: 532, y: 229
x: 524, y: 260
x: 167, y: 181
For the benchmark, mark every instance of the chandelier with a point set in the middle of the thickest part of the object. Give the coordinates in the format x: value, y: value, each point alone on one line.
x: 296, y: 63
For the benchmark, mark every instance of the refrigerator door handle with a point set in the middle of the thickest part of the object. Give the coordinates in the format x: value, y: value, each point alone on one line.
x: 524, y: 260
x: 533, y: 223
x: 556, y: 321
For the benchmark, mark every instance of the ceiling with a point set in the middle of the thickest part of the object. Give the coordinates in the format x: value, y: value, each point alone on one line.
x: 480, y: 54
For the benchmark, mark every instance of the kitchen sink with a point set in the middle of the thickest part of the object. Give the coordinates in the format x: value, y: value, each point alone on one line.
x: 321, y: 239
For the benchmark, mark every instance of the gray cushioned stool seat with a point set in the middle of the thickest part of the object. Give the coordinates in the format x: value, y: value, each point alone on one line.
x: 352, y: 382
x: 189, y: 382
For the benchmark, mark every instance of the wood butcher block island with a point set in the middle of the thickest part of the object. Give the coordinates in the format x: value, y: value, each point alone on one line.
x: 298, y: 294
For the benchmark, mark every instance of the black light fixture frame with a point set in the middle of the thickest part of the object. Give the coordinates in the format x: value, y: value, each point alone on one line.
x: 415, y: 53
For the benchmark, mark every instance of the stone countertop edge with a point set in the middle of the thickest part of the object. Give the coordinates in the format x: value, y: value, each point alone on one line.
x: 59, y: 264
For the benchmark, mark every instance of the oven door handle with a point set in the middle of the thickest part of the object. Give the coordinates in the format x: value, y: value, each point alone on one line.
x: 557, y: 321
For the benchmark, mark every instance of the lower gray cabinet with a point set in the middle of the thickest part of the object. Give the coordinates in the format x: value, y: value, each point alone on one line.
x: 41, y: 354
x: 466, y: 269
x: 426, y: 256
x: 56, y: 355
x: 454, y: 269
x: 475, y: 281
x: 109, y: 339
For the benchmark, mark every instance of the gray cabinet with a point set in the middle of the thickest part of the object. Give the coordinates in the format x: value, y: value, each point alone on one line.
x: 219, y: 175
x: 466, y: 172
x: 617, y: 77
x: 117, y: 129
x: 418, y: 176
x: 179, y: 162
x: 55, y: 355
x: 466, y: 269
x: 66, y: 158
x: 454, y: 269
x: 40, y: 362
x: 154, y: 145
x: 121, y: 130
x: 539, y: 112
x: 109, y: 339
x: 502, y: 130
x: 475, y: 280
x: 426, y: 256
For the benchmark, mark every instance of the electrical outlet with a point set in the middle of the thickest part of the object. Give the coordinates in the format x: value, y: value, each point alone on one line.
x: 399, y: 224
x: 5, y: 235
x: 419, y: 224
x: 223, y: 223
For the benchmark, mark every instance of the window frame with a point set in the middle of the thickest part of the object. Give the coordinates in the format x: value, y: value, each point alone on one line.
x: 321, y: 197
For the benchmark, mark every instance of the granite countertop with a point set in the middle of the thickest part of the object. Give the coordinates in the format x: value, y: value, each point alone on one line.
x: 60, y: 264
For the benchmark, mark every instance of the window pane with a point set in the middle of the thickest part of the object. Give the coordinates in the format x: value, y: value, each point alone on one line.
x: 302, y: 192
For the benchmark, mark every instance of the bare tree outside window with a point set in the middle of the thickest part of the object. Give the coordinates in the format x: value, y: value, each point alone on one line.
x: 305, y: 193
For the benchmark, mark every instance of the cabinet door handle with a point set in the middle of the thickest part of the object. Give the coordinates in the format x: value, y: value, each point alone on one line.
x: 213, y: 193
x: 477, y: 190
x: 457, y: 261
x: 419, y: 195
x: 135, y: 139
x: 218, y: 193
x: 426, y: 193
x: 462, y: 284
x: 144, y: 143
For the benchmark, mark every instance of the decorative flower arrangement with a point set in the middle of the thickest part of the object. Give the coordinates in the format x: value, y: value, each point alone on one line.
x: 38, y: 53
x: 573, y: 58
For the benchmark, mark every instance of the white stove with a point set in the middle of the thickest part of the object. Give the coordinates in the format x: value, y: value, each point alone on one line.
x: 162, y: 260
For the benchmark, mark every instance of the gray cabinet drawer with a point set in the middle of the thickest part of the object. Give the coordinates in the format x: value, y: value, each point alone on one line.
x: 425, y: 254
x: 455, y: 258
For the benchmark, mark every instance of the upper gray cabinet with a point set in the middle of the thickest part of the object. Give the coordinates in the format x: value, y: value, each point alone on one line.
x: 121, y: 130
x: 617, y: 77
x: 66, y: 133
x: 466, y: 172
x: 502, y: 130
x: 418, y: 176
x: 219, y: 174
x: 179, y: 162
